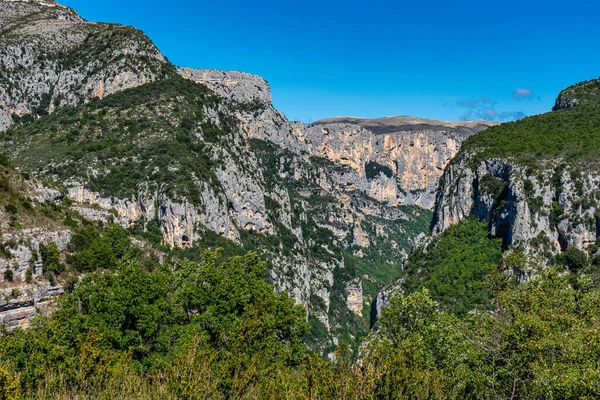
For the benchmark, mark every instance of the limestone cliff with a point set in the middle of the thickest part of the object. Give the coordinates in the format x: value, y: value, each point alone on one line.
x: 50, y: 57
x: 414, y: 150
x: 534, y: 181
x: 332, y: 205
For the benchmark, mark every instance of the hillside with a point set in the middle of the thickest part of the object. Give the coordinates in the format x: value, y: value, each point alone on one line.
x: 570, y: 133
x: 191, y: 159
x: 534, y: 181
x: 166, y: 233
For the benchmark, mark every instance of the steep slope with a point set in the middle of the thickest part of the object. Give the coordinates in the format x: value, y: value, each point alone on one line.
x: 183, y: 163
x: 398, y: 160
x: 535, y: 184
x: 32, y: 215
x: 51, y: 57
x: 333, y: 207
x: 535, y: 181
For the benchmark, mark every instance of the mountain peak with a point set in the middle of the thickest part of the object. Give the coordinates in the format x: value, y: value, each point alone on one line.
x: 581, y: 93
x: 48, y: 3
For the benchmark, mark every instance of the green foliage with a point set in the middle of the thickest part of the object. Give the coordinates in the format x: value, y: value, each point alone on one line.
x: 51, y: 258
x: 536, y: 346
x: 454, y: 266
x: 99, y: 252
x: 8, y: 274
x: 575, y: 259
x: 11, y: 209
x: 214, y: 329
x: 498, y: 189
x: 156, y: 134
x: 155, y: 315
x: 572, y: 134
x: 9, y: 386
x: 373, y: 169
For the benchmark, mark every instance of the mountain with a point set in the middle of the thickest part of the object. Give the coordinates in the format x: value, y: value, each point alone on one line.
x: 535, y: 184
x: 50, y: 57
x: 189, y: 159
x: 534, y: 180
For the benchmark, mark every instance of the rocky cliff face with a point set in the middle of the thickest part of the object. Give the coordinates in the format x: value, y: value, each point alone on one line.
x: 50, y: 57
x: 536, y: 184
x: 550, y: 209
x: 398, y: 160
x: 332, y: 206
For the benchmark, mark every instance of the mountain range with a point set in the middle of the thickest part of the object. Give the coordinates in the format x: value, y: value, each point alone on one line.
x: 98, y: 126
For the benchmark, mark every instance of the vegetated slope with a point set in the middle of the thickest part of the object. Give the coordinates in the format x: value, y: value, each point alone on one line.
x: 51, y: 57
x: 534, y: 181
x: 454, y: 267
x: 534, y: 185
x: 169, y: 155
x: 179, y: 330
x: 36, y: 226
x: 102, y: 114
x: 570, y: 133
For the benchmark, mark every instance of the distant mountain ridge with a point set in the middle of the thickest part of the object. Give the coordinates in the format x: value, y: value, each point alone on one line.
x: 403, y: 123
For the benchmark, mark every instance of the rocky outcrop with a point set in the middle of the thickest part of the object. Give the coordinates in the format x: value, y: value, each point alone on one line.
x: 18, y: 306
x: 580, y: 93
x: 237, y: 86
x: 315, y: 200
x: 51, y: 57
x: 414, y: 151
x: 550, y: 210
x: 354, y: 296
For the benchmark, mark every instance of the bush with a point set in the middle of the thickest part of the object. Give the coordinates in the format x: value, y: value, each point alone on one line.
x: 11, y: 209
x: 51, y: 258
x: 9, y: 386
x: 575, y: 259
x: 8, y: 274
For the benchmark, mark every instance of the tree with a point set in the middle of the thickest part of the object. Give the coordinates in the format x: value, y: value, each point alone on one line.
x: 575, y: 259
x: 51, y: 258
x: 454, y: 265
x: 9, y: 386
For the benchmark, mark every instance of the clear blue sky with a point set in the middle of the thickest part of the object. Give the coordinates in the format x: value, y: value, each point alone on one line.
x: 442, y: 59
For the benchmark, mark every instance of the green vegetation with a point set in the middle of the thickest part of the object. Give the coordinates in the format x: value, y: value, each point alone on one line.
x: 373, y: 169
x: 537, y: 345
x: 9, y: 386
x: 21, y: 210
x: 214, y: 329
x: 571, y: 134
x: 454, y: 265
x: 152, y: 135
x: 149, y: 318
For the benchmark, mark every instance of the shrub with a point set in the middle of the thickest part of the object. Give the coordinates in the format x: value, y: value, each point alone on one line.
x: 575, y: 259
x: 9, y: 386
x: 11, y: 209
x: 51, y: 258
x: 8, y: 274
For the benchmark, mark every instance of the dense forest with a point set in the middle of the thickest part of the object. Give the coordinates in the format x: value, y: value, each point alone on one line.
x: 137, y: 326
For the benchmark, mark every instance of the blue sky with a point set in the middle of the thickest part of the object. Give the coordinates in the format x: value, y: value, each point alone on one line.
x: 451, y: 60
